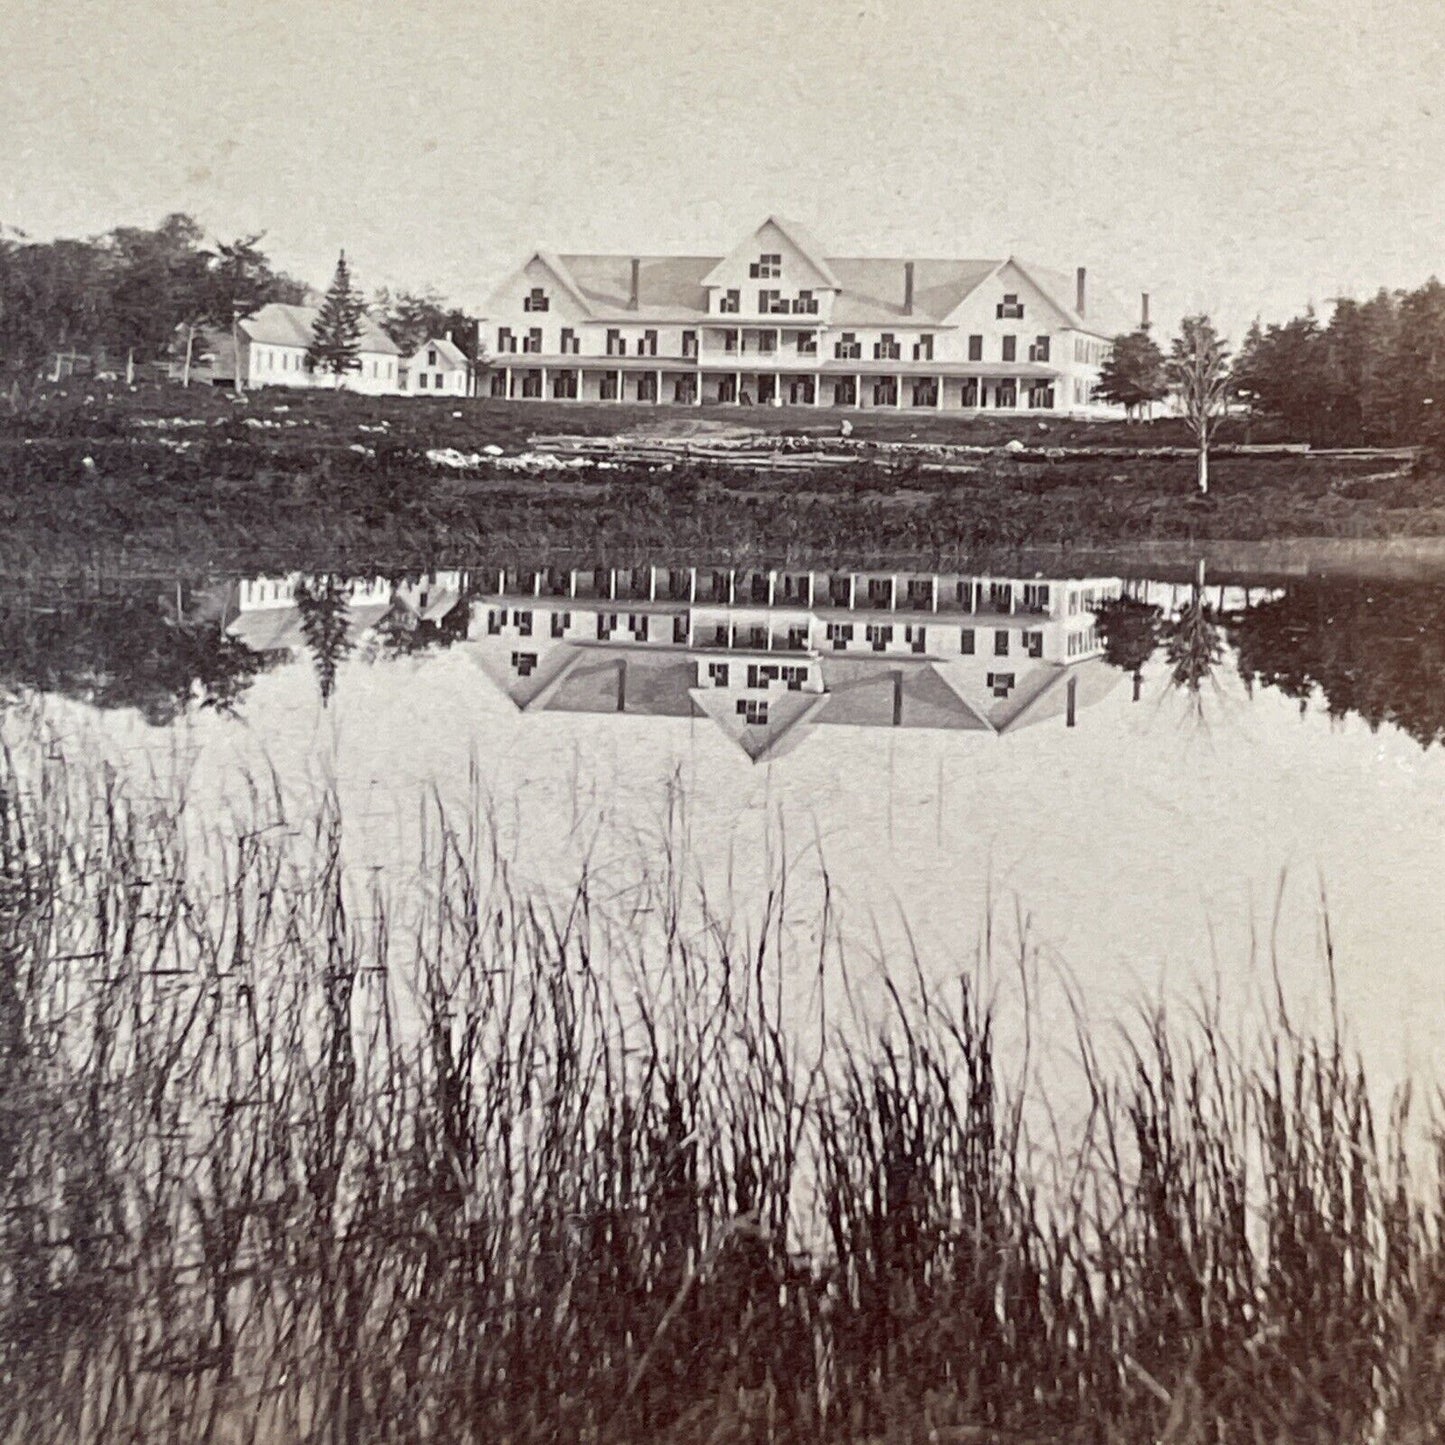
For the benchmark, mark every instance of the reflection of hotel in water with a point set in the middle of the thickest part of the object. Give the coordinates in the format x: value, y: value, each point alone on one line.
x: 766, y: 655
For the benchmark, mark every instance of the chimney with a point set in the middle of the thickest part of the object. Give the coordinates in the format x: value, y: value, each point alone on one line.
x: 636, y: 277
x: 1079, y: 295
x: 908, y: 288
x: 1144, y: 311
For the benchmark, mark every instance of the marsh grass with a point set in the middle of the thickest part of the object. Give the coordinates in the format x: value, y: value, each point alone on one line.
x: 282, y: 1160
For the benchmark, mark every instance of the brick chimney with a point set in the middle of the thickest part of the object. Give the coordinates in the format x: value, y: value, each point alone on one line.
x: 1144, y: 311
x: 1080, y: 295
x: 908, y: 288
x: 632, y: 295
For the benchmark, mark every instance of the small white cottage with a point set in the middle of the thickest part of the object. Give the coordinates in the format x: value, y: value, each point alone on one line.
x: 438, y: 367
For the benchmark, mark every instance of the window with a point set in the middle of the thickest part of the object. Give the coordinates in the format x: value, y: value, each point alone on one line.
x: 649, y: 344
x: 807, y: 343
x: 421, y: 380
x: 915, y: 636
x: 495, y: 620
x: 966, y: 642
x: 569, y: 341
x: 533, y: 341
x: 646, y: 387
x: 923, y: 349
x: 767, y: 342
x: 505, y: 340
x: 717, y: 673
x: 532, y: 385
x: 1000, y: 683
x: 806, y: 304
x: 886, y: 348
x: 730, y: 341
x: 609, y: 388
x: 768, y: 266
x: 616, y: 346
x: 524, y: 663
x: 1034, y: 644
x: 840, y: 634
x: 925, y: 393
x: 564, y: 386
x: 1041, y: 398
x: 848, y: 347
x: 561, y: 621
x: 975, y: 348
x: 1010, y: 348
x: 1039, y: 351
x: 1000, y: 643
x: 431, y: 356
x: 536, y: 300
x: 730, y: 301
x: 522, y: 621
x: 885, y: 393
x: 1037, y: 596
x: 689, y: 343
x: 771, y: 303
x: 753, y: 711
x: 1010, y: 308
x: 880, y: 634
x: 1006, y: 394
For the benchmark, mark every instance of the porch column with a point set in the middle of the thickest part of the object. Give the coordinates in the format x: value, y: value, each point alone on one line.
x: 938, y: 396
x: 544, y: 382
x: 818, y: 389
x: 509, y: 383
x: 898, y: 392
x: 657, y: 395
x: 858, y: 393
x: 621, y: 394
x: 738, y: 394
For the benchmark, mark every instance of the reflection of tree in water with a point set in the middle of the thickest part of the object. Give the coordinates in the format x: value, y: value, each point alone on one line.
x: 1377, y: 651
x: 324, y: 605
x: 1133, y: 630
x: 1129, y: 629
x: 125, y: 648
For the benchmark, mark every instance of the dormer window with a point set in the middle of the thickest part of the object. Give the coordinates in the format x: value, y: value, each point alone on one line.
x: 536, y: 300
x: 431, y: 356
x: 767, y: 267
x: 1010, y: 308
x: 730, y: 302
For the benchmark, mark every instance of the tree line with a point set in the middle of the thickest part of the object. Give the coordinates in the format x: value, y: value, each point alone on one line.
x: 137, y: 294
x: 1372, y: 375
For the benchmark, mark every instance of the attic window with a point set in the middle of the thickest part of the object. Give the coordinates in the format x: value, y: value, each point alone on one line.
x: 431, y: 356
x: 730, y: 301
x: 523, y: 663
x: 536, y: 300
x: 1010, y: 308
x: 767, y: 267
x: 1001, y: 683
x: 753, y: 711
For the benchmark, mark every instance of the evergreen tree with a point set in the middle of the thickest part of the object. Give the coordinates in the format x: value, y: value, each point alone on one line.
x: 325, y: 607
x: 336, y: 334
x: 1133, y: 376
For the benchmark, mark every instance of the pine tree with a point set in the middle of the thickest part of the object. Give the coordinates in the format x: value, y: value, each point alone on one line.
x: 1198, y: 371
x: 1133, y: 376
x: 325, y: 608
x: 336, y: 332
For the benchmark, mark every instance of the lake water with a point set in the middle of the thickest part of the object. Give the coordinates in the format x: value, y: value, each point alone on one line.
x: 918, y: 774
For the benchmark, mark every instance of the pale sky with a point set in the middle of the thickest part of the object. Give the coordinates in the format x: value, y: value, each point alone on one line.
x: 1244, y: 156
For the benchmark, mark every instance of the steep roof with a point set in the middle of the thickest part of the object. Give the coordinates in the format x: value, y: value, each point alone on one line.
x: 870, y: 288
x: 449, y: 351
x: 277, y: 324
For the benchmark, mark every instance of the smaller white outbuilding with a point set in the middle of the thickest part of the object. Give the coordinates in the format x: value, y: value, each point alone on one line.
x: 438, y: 367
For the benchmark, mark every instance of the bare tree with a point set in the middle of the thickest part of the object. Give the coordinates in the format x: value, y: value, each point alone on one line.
x: 1198, y: 370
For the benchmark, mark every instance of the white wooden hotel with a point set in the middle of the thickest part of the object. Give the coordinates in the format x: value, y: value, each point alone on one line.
x: 777, y: 321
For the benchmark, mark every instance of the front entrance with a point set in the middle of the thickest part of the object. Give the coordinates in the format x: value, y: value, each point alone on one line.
x: 801, y: 392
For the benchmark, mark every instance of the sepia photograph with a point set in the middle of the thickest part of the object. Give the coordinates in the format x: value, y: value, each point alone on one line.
x: 722, y: 724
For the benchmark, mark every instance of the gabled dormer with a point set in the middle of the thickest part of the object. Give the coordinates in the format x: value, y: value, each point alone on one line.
x: 777, y: 271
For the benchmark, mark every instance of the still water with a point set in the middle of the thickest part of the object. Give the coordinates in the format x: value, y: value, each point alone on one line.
x: 1187, y: 790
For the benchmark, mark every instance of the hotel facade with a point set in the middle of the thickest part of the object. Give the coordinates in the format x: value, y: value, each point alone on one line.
x: 778, y: 322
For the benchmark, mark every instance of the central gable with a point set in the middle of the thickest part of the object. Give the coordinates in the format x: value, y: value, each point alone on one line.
x: 1011, y: 299
x: 779, y: 255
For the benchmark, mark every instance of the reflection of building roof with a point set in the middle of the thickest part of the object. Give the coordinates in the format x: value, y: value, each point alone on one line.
x: 278, y: 629
x: 901, y: 692
x: 277, y: 324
